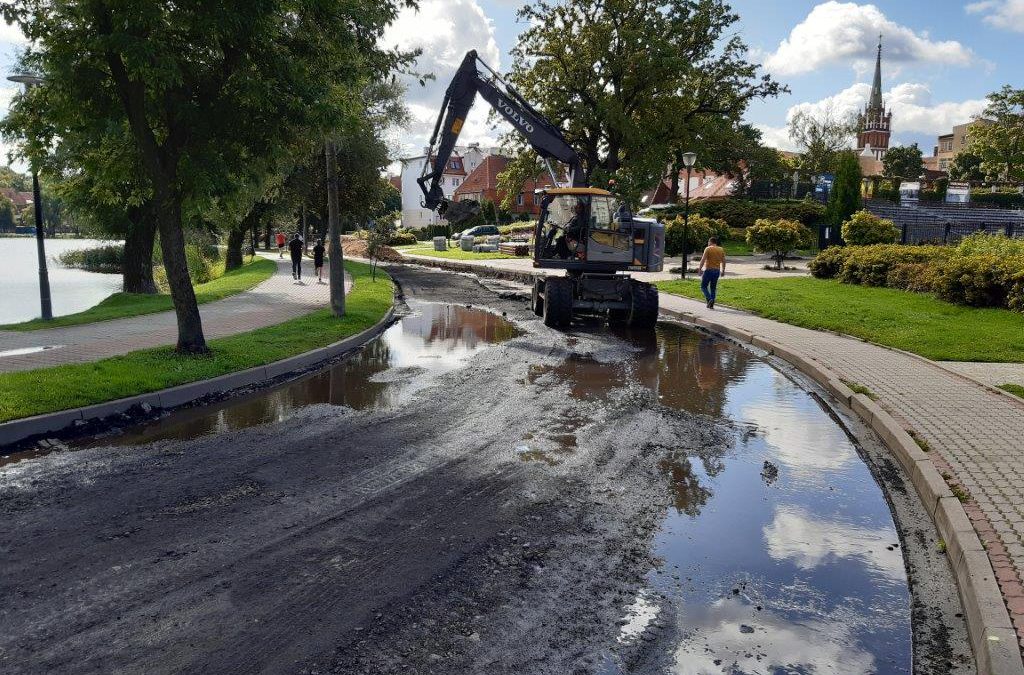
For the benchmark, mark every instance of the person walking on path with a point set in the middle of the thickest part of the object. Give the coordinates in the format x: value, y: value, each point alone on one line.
x: 712, y: 266
x: 280, y: 244
x: 318, y: 260
x: 295, y: 248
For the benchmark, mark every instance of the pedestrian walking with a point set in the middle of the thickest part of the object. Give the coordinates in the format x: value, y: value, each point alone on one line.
x: 295, y: 247
x: 280, y: 244
x: 712, y: 266
x: 318, y: 260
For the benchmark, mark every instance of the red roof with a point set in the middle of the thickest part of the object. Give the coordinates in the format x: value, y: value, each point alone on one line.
x: 20, y: 199
x: 484, y: 177
x: 455, y: 166
x: 396, y: 182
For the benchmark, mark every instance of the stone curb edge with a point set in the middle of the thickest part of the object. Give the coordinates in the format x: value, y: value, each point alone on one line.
x: 992, y: 635
x: 20, y: 429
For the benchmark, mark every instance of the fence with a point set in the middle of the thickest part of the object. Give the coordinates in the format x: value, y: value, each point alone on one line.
x: 944, y: 224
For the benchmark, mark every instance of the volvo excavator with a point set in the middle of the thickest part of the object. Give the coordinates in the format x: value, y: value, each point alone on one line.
x: 583, y: 230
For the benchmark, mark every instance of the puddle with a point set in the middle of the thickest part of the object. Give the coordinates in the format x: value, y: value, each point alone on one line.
x: 28, y: 350
x: 432, y: 340
x: 779, y: 554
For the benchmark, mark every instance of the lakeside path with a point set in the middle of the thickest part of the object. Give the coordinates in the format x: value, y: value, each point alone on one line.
x: 975, y: 434
x: 275, y: 300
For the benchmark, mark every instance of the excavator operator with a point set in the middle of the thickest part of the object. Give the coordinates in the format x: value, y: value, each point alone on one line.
x: 568, y: 245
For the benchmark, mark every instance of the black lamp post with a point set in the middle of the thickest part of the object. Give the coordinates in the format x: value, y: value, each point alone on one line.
x: 30, y: 81
x: 689, y: 158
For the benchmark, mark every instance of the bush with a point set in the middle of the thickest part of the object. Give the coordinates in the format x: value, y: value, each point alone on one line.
x: 106, y: 259
x: 976, y: 280
x: 989, y: 243
x: 698, y: 232
x: 863, y: 229
x: 401, y: 237
x: 742, y: 213
x: 870, y: 265
x: 778, y: 237
x: 827, y: 263
x: 1005, y: 200
x: 918, y: 277
x: 516, y: 228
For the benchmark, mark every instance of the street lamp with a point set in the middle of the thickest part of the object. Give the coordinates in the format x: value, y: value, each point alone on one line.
x: 30, y: 80
x: 689, y: 159
x: 796, y: 183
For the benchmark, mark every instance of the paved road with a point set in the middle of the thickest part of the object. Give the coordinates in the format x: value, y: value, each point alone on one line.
x: 275, y: 300
x: 420, y: 537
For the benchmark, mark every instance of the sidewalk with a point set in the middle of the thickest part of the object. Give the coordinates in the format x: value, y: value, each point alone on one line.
x: 275, y: 300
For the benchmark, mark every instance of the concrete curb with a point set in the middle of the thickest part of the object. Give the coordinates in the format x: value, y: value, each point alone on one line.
x: 992, y: 635
x: 17, y: 430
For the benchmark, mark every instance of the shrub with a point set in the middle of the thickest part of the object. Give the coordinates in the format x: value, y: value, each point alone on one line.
x: 827, y: 263
x: 106, y: 259
x: 698, y: 232
x: 400, y: 237
x: 990, y: 243
x: 1005, y: 200
x: 778, y: 237
x: 976, y: 280
x: 918, y: 277
x: 870, y: 265
x: 743, y: 213
x: 863, y: 229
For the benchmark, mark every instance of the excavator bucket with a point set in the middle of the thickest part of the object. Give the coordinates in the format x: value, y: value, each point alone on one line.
x: 458, y: 213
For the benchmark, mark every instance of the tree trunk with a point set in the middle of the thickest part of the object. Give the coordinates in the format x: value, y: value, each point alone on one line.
x: 336, y: 271
x: 172, y: 245
x: 137, y: 265
x: 268, y: 235
x: 236, y: 238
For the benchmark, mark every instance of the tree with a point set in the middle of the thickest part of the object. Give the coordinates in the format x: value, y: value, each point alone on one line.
x: 902, y: 162
x: 6, y: 215
x: 997, y: 136
x: 391, y: 199
x: 821, y: 137
x: 632, y: 84
x: 13, y: 179
x: 203, y: 88
x: 966, y: 166
x: 378, y: 236
x: 778, y: 237
x: 844, y: 200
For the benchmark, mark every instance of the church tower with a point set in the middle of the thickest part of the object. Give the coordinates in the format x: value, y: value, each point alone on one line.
x: 875, y: 123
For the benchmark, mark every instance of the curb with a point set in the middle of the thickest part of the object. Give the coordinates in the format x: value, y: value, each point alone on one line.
x: 525, y: 277
x: 991, y: 633
x: 19, y: 430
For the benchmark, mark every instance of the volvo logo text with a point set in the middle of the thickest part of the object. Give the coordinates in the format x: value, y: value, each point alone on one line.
x: 516, y: 116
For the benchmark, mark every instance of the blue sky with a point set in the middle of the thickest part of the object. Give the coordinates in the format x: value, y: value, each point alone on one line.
x: 940, y: 57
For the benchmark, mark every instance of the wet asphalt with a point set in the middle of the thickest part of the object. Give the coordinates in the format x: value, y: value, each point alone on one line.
x: 477, y: 493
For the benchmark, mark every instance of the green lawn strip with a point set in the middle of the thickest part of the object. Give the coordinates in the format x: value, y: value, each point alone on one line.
x: 915, y: 322
x: 44, y: 390
x: 1014, y: 389
x: 120, y: 305
x: 456, y: 254
x: 736, y: 247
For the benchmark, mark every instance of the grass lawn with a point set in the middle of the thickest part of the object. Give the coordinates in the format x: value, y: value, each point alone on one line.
x: 1014, y: 389
x: 120, y: 305
x: 915, y: 322
x: 43, y: 390
x: 453, y: 253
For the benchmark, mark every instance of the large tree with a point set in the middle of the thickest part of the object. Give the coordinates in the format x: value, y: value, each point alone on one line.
x: 204, y: 88
x: 902, y: 162
x: 632, y: 84
x: 998, y: 135
x: 845, y: 199
x: 821, y: 137
x: 966, y: 166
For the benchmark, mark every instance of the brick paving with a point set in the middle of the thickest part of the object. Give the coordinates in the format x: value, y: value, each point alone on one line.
x: 976, y: 436
x: 993, y: 374
x: 275, y: 300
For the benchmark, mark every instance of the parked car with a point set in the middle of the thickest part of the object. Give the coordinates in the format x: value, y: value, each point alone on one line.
x: 478, y: 231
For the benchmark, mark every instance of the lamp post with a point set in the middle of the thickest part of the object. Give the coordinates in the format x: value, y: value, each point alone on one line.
x: 30, y: 80
x: 689, y: 158
x: 796, y: 183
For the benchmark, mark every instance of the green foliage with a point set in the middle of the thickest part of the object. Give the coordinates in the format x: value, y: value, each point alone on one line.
x: 821, y: 138
x: 844, y: 200
x: 699, y: 230
x: 864, y: 228
x: 778, y: 237
x: 7, y: 223
x: 966, y: 166
x: 915, y: 322
x: 742, y: 213
x: 903, y: 162
x: 44, y: 390
x: 402, y: 238
x: 871, y: 265
x: 1005, y: 200
x: 97, y: 259
x: 998, y: 142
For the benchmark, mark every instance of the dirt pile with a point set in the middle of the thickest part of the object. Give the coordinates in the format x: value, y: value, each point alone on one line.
x: 357, y: 248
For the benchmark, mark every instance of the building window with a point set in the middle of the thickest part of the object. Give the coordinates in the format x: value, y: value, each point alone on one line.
x: 519, y: 199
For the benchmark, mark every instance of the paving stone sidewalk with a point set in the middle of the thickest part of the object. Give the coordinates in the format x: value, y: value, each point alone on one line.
x: 976, y: 435
x: 275, y: 300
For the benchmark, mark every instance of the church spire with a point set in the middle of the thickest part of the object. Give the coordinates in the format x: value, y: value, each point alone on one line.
x: 876, y: 86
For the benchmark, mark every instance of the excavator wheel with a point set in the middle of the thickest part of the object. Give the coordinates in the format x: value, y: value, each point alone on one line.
x: 618, y: 317
x: 643, y: 311
x: 557, y: 302
x: 537, y: 302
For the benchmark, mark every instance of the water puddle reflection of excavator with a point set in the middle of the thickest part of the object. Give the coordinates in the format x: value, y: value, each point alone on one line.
x: 583, y: 230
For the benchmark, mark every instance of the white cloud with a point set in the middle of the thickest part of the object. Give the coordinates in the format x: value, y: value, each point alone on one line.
x: 1004, y: 14
x: 11, y: 33
x: 444, y: 30
x: 845, y: 32
x: 776, y: 137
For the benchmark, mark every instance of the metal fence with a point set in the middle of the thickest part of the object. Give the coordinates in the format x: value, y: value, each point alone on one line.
x: 943, y: 224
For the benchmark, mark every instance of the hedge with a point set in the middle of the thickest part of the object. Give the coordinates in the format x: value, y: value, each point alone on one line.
x: 743, y: 213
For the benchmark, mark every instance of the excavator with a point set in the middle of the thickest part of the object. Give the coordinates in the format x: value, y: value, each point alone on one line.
x: 583, y: 230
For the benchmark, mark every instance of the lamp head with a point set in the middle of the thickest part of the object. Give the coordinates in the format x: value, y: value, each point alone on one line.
x: 27, y: 79
x: 689, y: 159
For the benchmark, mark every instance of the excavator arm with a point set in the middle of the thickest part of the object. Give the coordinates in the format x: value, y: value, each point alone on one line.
x: 544, y: 137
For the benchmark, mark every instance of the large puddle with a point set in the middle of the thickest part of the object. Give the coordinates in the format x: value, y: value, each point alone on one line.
x: 778, y: 554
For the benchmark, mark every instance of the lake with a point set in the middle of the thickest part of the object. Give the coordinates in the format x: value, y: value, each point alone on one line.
x: 71, y: 290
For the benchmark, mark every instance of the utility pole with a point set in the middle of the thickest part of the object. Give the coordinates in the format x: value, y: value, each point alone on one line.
x: 336, y: 271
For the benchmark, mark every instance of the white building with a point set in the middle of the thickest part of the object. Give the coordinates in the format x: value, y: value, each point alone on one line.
x: 462, y: 162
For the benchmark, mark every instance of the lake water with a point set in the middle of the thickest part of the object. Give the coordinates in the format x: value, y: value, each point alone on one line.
x: 70, y: 290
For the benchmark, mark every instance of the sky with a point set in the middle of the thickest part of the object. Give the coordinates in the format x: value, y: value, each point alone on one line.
x: 940, y: 59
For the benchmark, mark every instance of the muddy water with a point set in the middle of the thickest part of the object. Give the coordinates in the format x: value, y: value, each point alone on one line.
x: 433, y: 339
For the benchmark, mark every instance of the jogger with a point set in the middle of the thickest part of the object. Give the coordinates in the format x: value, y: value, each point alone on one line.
x: 295, y: 248
x: 712, y: 266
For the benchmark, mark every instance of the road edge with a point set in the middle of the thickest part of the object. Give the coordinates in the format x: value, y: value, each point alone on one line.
x: 992, y: 636
x: 18, y: 430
